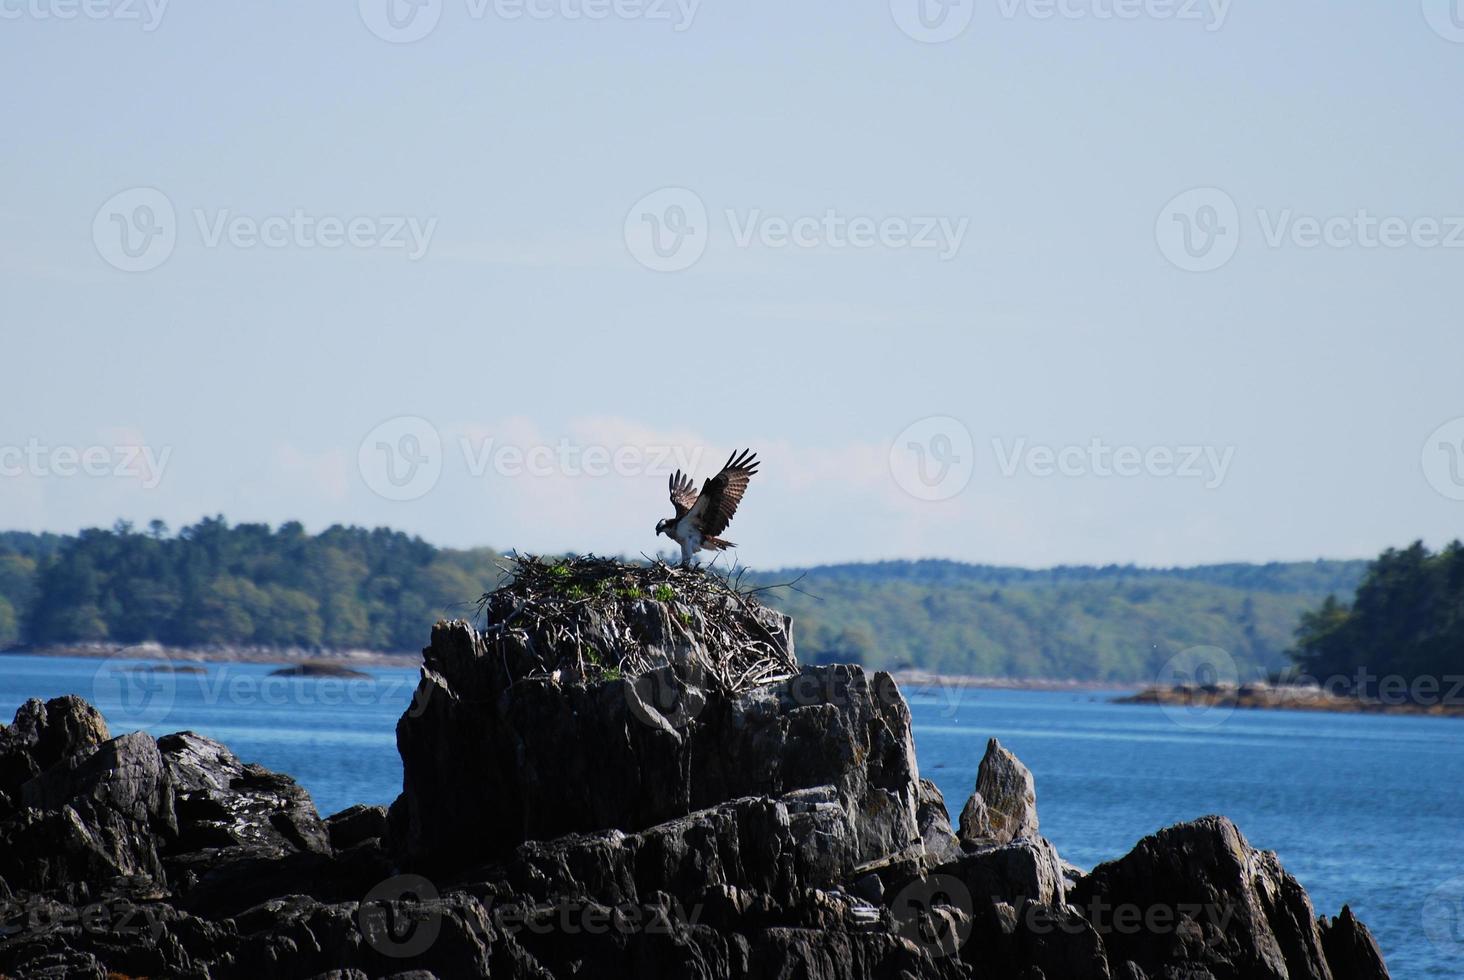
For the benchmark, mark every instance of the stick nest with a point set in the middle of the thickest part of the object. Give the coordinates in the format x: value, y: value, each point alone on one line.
x: 589, y: 619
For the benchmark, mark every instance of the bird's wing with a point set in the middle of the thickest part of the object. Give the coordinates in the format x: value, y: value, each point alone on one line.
x: 721, y: 494
x: 683, y: 497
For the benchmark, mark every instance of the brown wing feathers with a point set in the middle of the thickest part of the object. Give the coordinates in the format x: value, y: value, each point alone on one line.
x: 723, y: 492
x: 683, y: 497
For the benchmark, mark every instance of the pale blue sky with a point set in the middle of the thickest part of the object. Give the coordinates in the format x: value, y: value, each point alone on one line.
x: 519, y: 147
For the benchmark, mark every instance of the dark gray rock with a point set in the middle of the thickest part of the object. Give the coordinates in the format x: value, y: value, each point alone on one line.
x: 96, y: 814
x: 1352, y: 953
x: 1004, y: 804
x: 356, y: 825
x: 43, y: 734
x: 1228, y: 909
x: 934, y: 823
x: 650, y: 828
x: 488, y: 766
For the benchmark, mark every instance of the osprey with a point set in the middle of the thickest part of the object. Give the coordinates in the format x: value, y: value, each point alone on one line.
x: 700, y: 517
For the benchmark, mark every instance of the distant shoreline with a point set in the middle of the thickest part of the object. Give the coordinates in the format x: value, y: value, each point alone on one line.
x: 1285, y: 699
x: 221, y: 655
x: 374, y: 658
x: 915, y: 679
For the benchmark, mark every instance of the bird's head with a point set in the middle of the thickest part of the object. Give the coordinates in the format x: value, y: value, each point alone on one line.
x: 663, y: 525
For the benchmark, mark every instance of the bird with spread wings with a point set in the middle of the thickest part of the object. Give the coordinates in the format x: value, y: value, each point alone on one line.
x: 701, y: 517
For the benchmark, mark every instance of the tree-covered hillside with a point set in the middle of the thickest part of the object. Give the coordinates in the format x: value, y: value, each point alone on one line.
x: 1116, y: 623
x: 213, y: 584
x: 1406, y: 621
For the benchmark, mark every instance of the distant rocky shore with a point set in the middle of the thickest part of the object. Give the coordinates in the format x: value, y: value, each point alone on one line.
x: 669, y: 824
x: 221, y: 654
x: 1290, y: 698
x: 372, y: 658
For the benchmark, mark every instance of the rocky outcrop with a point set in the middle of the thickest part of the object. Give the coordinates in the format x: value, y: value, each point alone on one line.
x: 662, y: 826
x: 490, y: 762
x: 1004, y: 805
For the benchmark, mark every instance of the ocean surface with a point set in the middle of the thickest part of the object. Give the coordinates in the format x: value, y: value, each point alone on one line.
x: 1363, y: 809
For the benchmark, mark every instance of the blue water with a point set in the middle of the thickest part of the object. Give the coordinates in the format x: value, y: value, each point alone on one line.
x: 1362, y: 809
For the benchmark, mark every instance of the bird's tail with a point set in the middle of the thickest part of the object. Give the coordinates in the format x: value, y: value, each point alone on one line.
x: 717, y: 544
